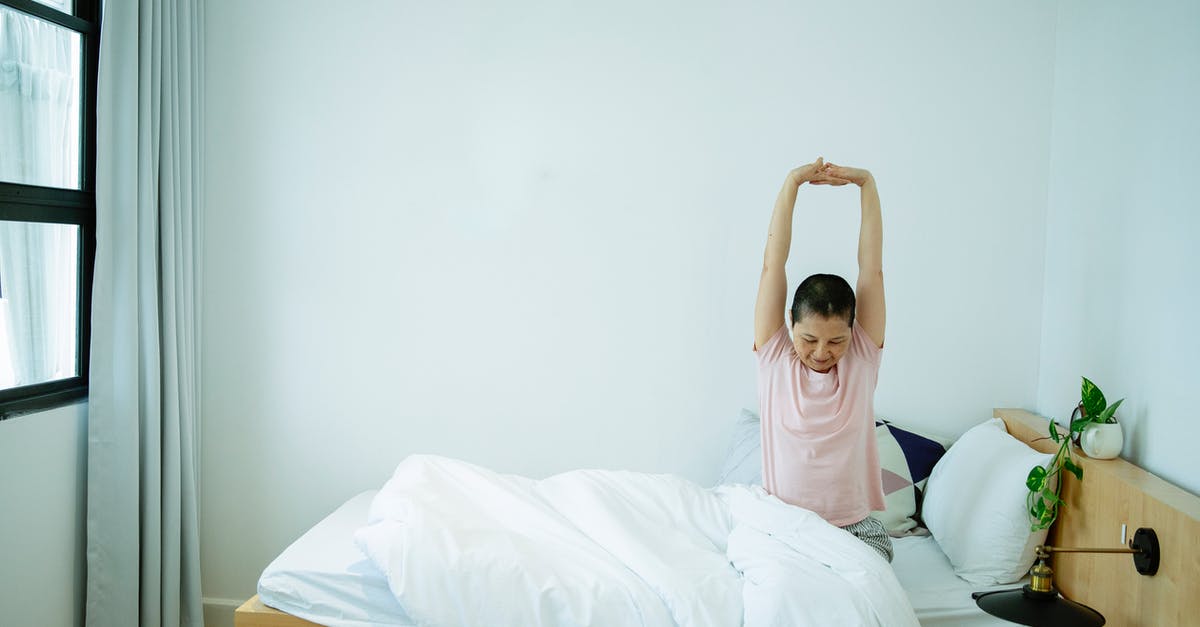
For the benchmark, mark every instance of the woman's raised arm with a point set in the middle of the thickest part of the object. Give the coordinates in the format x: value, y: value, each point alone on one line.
x: 870, y: 308
x: 772, y: 285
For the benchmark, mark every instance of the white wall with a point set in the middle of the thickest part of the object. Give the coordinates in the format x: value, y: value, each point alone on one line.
x: 530, y: 235
x: 43, y: 460
x: 1122, y: 262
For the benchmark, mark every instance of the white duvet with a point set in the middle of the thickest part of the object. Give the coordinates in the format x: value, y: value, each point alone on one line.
x: 461, y: 545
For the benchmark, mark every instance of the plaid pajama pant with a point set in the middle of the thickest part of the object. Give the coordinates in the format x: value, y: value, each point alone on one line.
x: 872, y: 532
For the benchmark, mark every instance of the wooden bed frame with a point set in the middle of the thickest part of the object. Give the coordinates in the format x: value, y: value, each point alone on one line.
x: 1115, y: 492
x: 255, y: 613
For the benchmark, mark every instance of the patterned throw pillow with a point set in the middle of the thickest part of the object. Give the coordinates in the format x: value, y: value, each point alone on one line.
x: 905, y: 459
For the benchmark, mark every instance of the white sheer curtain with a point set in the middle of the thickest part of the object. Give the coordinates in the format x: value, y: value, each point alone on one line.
x: 39, y: 145
x: 39, y: 265
x: 8, y: 377
x: 39, y: 101
x: 143, y: 437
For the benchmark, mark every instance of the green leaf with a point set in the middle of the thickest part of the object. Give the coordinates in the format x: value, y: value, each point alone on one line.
x: 1040, y: 514
x: 1106, y: 416
x: 1054, y: 432
x: 1051, y: 498
x: 1092, y: 399
x: 1036, y: 479
x: 1072, y: 468
x: 1078, y: 424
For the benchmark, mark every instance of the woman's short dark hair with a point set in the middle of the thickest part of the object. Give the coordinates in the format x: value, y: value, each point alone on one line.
x: 827, y: 295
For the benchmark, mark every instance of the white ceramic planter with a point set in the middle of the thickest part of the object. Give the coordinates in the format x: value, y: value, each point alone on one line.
x: 1102, y: 441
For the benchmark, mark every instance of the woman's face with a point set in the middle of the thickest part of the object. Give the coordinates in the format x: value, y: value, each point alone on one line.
x: 819, y: 341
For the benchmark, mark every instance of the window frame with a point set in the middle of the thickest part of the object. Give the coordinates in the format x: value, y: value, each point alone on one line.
x: 21, y: 202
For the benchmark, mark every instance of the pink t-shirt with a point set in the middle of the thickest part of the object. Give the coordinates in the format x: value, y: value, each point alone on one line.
x: 818, y: 429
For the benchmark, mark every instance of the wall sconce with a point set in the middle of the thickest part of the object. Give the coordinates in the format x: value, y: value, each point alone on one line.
x: 1038, y: 603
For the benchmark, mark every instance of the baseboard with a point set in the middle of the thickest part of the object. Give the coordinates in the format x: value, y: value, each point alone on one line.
x: 219, y: 612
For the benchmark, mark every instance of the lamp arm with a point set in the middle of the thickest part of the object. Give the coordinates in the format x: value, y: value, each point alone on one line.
x: 1143, y: 547
x: 1061, y: 549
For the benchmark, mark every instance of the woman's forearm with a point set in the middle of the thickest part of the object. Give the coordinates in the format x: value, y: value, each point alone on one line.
x: 779, y: 234
x: 870, y: 234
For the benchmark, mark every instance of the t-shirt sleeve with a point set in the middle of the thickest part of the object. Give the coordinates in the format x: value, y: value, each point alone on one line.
x: 863, y: 346
x: 775, y: 348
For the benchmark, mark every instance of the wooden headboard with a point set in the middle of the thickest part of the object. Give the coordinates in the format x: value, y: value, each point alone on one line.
x: 1115, y: 492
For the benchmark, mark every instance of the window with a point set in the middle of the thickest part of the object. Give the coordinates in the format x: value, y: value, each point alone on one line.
x: 49, y: 51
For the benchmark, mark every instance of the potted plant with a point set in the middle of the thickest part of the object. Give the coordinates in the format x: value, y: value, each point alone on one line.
x: 1094, y: 426
x: 1101, y: 436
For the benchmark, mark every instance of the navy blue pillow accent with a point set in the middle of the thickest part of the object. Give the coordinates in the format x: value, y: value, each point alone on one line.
x: 921, y: 453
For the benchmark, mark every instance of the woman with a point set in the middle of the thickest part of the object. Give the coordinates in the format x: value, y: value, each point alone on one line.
x: 816, y: 387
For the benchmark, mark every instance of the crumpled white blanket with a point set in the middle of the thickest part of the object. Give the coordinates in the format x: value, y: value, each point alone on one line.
x: 462, y: 545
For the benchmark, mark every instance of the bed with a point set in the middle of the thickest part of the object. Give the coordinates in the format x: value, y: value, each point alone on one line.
x: 323, y: 577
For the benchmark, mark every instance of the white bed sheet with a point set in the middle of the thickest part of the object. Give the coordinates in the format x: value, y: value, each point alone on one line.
x: 324, y: 578
x: 939, y: 596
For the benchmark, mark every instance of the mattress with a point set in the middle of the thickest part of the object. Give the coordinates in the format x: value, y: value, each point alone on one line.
x: 938, y: 595
x: 323, y: 577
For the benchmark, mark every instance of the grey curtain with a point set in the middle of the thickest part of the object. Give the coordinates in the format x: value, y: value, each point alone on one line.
x: 143, y: 557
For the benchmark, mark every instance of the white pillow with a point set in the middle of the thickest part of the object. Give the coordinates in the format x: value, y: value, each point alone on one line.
x: 975, y: 505
x: 743, y: 460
